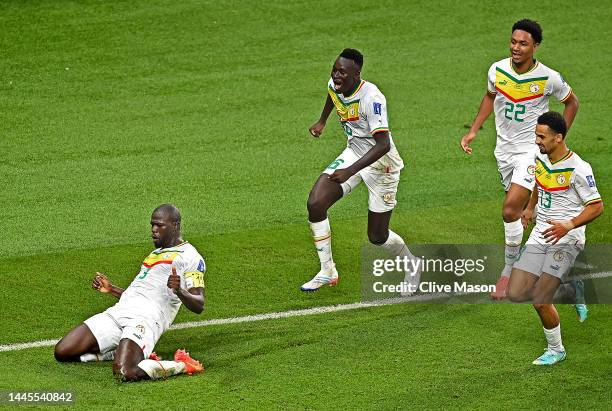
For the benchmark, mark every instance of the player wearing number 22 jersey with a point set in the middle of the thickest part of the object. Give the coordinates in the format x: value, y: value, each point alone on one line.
x: 518, y: 91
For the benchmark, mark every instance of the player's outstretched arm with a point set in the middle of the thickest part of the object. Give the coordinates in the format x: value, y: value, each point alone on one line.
x: 102, y: 283
x: 485, y: 109
x: 382, y: 147
x: 559, y: 228
x: 571, y: 109
x: 192, y: 298
x: 317, y: 128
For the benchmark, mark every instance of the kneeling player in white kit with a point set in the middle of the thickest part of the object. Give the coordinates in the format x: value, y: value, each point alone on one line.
x: 567, y: 199
x: 370, y: 156
x: 128, y: 331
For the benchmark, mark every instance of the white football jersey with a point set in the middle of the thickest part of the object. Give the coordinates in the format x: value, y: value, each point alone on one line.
x: 564, y: 189
x: 149, y: 296
x: 519, y: 100
x: 362, y: 115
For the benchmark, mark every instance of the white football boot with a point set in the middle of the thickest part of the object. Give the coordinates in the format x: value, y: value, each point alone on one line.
x: 324, y: 277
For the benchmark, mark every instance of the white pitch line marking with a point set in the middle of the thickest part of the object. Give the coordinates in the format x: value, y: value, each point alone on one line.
x: 290, y: 313
x: 252, y: 318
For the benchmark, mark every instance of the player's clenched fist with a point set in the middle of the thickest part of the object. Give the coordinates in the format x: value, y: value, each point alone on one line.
x: 174, y: 281
x: 316, y: 129
x: 101, y: 283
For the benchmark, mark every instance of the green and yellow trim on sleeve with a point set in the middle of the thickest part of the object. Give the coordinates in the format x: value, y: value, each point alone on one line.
x: 594, y: 201
x: 569, y: 94
x: 379, y: 130
x: 194, y: 279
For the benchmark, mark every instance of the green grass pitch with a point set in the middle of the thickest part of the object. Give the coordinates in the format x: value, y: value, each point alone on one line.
x: 108, y: 109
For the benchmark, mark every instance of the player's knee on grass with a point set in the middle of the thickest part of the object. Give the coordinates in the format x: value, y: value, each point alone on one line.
x: 63, y: 352
x: 127, y: 373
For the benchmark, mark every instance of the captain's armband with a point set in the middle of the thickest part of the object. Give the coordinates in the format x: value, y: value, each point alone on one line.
x: 194, y: 279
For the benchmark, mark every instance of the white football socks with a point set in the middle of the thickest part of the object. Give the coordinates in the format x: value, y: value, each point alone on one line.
x: 161, y: 369
x: 396, y: 245
x: 107, y: 356
x: 321, y: 233
x: 514, y: 236
x: 553, y: 336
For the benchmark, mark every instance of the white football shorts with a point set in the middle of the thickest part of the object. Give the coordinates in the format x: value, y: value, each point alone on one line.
x: 556, y: 260
x: 516, y: 168
x: 382, y: 187
x: 111, y: 326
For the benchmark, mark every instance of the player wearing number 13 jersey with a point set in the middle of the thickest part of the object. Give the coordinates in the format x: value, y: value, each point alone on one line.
x: 567, y: 200
x: 518, y: 90
x: 369, y: 157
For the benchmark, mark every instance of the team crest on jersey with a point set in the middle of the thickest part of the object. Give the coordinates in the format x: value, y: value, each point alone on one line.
x: 561, y: 179
x: 531, y: 170
x: 534, y: 88
x: 590, y: 181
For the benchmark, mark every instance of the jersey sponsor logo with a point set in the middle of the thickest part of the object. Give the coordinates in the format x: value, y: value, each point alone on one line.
x: 590, y: 181
x: 377, y: 108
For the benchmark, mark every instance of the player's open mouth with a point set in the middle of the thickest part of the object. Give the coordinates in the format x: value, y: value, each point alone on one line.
x: 337, y: 85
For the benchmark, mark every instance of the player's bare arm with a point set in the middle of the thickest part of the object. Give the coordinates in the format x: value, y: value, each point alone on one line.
x: 571, y: 109
x: 193, y: 298
x: 382, y: 147
x: 559, y: 228
x: 102, y: 283
x: 528, y: 214
x: 485, y: 109
x: 317, y: 128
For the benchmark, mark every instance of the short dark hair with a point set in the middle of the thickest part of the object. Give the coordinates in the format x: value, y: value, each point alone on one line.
x: 531, y: 27
x: 354, y: 55
x: 554, y: 121
x: 171, y: 211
